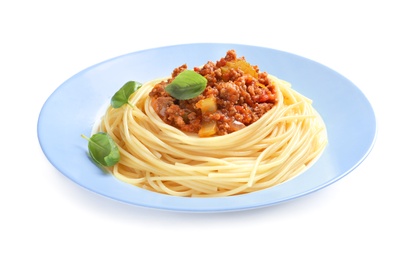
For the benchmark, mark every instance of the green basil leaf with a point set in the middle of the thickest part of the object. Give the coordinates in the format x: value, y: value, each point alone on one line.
x: 102, y: 149
x: 121, y: 97
x: 188, y: 84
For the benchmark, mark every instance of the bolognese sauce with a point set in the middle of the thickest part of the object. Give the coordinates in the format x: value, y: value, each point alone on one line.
x: 236, y: 95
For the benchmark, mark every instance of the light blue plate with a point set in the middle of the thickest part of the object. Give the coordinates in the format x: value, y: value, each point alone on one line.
x: 73, y: 108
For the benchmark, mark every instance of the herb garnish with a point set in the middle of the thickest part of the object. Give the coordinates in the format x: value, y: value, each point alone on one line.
x: 121, y: 97
x: 188, y: 84
x: 102, y: 149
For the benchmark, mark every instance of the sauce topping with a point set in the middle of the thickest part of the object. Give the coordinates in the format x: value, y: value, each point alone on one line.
x: 236, y: 95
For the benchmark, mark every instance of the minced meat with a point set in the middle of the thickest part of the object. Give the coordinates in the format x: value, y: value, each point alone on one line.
x: 242, y: 95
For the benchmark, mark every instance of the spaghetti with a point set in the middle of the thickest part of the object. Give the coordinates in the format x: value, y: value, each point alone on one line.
x: 159, y: 157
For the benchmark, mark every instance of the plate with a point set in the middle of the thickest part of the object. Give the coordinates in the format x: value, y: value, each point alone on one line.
x: 72, y: 110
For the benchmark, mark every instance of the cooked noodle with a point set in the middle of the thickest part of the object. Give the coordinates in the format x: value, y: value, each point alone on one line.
x: 159, y: 157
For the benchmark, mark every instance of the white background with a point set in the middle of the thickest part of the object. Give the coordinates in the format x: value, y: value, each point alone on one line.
x: 46, y: 216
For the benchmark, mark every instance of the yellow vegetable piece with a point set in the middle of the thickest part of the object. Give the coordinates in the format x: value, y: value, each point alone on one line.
x: 242, y: 65
x: 208, y: 129
x: 207, y: 105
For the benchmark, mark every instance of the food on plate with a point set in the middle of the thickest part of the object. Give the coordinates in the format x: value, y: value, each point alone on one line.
x: 222, y: 129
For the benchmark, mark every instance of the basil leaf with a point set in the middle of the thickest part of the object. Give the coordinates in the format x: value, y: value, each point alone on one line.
x: 121, y: 97
x: 188, y: 84
x: 102, y: 149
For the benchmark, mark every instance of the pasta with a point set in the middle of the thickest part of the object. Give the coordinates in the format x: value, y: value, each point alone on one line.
x: 159, y: 157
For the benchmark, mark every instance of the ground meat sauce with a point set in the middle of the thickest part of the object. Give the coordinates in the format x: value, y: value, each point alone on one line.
x: 240, y: 92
